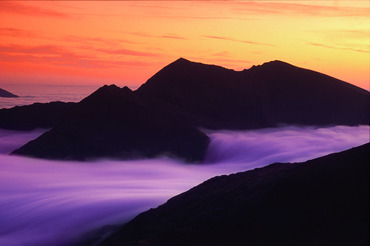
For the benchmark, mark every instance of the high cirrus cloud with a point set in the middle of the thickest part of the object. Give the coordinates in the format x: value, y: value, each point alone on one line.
x: 58, y: 55
x: 22, y: 8
x: 301, y: 9
x: 340, y: 48
x: 122, y: 51
x: 236, y: 40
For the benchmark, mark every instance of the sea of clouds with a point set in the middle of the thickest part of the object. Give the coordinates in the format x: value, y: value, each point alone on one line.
x: 46, y: 202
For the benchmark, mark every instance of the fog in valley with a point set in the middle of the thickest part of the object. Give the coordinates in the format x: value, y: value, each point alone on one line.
x: 47, y: 202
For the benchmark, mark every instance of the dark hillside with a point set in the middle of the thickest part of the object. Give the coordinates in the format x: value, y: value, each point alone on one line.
x: 164, y: 115
x: 263, y: 96
x: 321, y: 202
x: 113, y: 122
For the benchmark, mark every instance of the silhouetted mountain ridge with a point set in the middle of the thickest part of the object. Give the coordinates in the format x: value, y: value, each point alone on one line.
x: 113, y: 122
x: 164, y: 114
x: 263, y: 96
x: 112, y: 90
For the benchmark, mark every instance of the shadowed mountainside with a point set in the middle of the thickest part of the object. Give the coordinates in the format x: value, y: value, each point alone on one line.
x: 164, y: 114
x: 4, y: 93
x: 114, y: 122
x: 37, y: 115
x: 324, y: 201
x: 263, y: 96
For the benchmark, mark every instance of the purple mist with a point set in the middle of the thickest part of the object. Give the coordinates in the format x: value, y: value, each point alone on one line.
x: 46, y: 202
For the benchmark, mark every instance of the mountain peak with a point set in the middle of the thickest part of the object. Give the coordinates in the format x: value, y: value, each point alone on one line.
x: 111, y: 92
x: 113, y: 89
x: 5, y: 93
x: 183, y: 74
x: 184, y: 63
x: 163, y: 115
x: 126, y: 90
x: 109, y: 88
x: 181, y: 60
x: 277, y: 63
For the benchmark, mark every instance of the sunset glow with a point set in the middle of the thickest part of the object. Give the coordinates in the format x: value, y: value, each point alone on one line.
x: 126, y: 42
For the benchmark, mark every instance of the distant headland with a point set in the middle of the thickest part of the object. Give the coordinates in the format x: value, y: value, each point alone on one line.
x: 5, y: 93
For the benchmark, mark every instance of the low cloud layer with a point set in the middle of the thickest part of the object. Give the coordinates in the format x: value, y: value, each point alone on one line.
x: 55, y: 202
x: 11, y: 140
x: 288, y: 144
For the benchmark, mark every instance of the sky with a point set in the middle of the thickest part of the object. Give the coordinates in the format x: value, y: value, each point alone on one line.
x: 126, y: 42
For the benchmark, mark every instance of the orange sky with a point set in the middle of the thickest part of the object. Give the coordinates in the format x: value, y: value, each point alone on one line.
x: 126, y: 42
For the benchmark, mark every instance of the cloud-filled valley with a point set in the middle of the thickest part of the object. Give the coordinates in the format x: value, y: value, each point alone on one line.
x: 48, y: 202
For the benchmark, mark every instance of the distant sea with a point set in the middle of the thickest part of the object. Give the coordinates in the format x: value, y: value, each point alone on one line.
x: 30, y: 93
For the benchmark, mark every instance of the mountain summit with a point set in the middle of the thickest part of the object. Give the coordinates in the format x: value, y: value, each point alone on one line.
x: 113, y: 122
x: 5, y: 93
x: 164, y: 115
x: 264, y: 96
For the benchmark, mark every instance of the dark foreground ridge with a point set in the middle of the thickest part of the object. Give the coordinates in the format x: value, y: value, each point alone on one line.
x: 4, y: 93
x: 163, y: 116
x: 322, y: 202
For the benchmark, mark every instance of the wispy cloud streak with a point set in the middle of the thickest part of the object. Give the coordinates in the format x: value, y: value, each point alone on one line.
x: 339, y: 48
x: 236, y: 40
x: 125, y: 52
x: 57, y: 55
x: 297, y: 9
x: 171, y: 36
x: 15, y: 32
x: 21, y: 8
x: 167, y: 35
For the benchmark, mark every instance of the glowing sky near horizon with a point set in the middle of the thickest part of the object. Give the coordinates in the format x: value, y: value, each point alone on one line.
x: 126, y: 42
